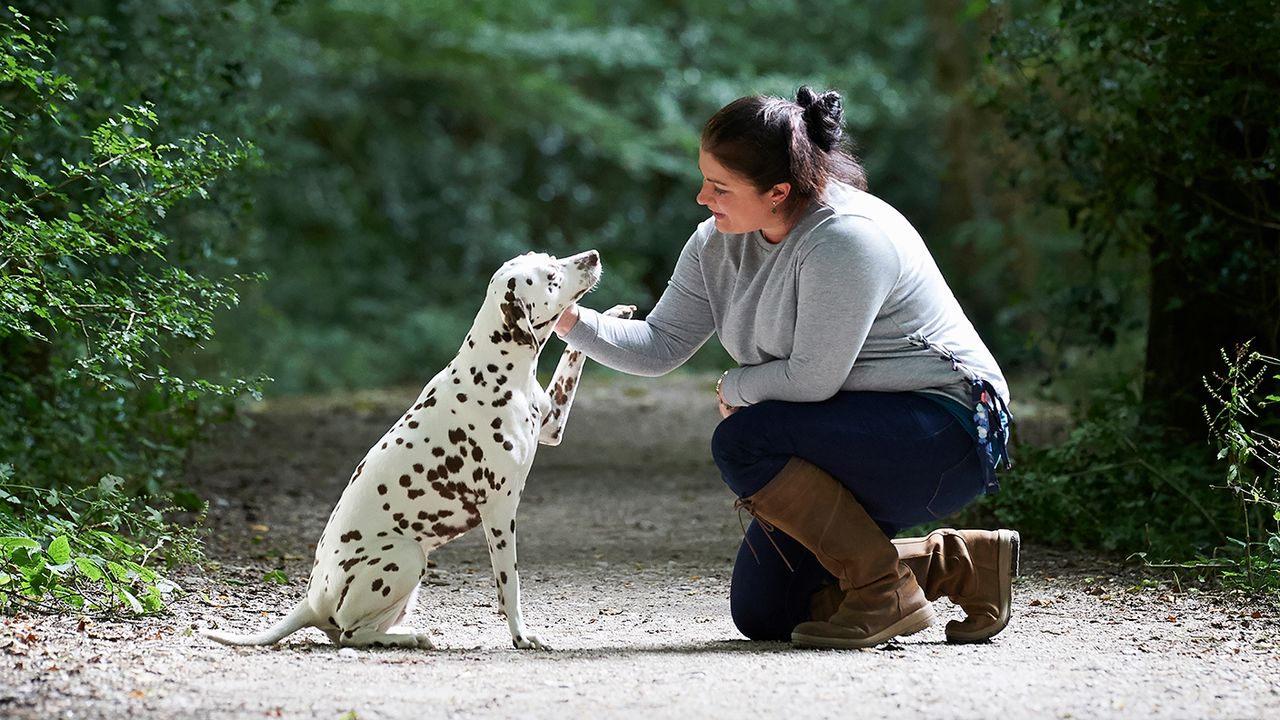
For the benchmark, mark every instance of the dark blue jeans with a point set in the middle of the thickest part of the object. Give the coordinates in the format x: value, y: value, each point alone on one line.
x: 904, y: 457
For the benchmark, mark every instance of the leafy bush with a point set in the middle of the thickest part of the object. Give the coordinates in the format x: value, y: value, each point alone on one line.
x: 1248, y: 443
x: 99, y: 551
x: 96, y: 298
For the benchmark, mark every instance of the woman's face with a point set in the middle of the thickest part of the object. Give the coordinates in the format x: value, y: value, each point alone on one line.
x: 737, y: 205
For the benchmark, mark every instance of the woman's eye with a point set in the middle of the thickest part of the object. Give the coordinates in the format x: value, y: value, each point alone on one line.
x: 718, y: 191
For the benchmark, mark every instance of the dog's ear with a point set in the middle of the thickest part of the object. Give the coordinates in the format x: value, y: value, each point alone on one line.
x: 515, y: 320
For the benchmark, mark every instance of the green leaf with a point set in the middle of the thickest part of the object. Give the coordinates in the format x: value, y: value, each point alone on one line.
x: 129, y: 599
x: 60, y: 550
x: 89, y: 569
x: 276, y: 576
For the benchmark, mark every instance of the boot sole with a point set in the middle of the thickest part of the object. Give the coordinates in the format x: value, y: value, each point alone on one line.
x: 909, y: 625
x: 1010, y: 551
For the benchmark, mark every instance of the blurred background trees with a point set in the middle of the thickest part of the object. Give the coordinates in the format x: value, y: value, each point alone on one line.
x: 1097, y: 179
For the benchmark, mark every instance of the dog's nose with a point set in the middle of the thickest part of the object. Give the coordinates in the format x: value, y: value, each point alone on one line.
x: 593, y: 258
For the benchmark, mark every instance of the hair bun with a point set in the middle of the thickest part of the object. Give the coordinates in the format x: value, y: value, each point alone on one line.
x: 823, y: 116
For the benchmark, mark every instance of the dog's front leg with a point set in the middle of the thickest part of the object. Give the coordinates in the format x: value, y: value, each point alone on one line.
x: 499, y: 517
x: 564, y: 385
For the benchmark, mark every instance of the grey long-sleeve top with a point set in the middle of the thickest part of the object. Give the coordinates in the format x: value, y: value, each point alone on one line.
x: 832, y: 307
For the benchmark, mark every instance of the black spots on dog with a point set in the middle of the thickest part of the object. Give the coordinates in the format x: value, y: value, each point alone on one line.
x: 386, y: 547
x: 382, y: 489
x: 477, y: 454
x: 353, y: 535
x: 405, y: 481
x: 386, y: 591
x: 453, y: 463
x: 418, y: 527
x: 332, y: 622
x: 510, y: 366
x: 499, y: 437
x: 351, y: 562
x: 377, y: 585
x: 417, y: 467
x: 457, y: 435
x: 397, y: 516
x: 491, y: 368
x: 383, y: 533
x: 359, y: 550
x: 429, y: 402
x: 416, y: 493
x: 385, y: 506
x: 528, y: 281
x: 500, y: 402
x: 462, y: 397
x: 506, y: 445
x: 513, y: 525
x: 390, y: 567
x: 477, y: 474
x: 502, y: 577
x: 432, y: 475
x: 502, y: 544
x: 456, y: 381
x: 399, y: 441
x: 384, y: 446
x: 343, y: 598
x: 497, y: 423
x: 445, y: 513
x: 437, y: 451
x: 497, y: 532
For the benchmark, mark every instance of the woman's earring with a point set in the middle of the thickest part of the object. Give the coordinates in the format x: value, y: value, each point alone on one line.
x: 774, y: 211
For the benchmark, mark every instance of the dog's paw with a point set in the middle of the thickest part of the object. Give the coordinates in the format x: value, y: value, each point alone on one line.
x: 620, y: 311
x: 529, y: 642
x: 424, y: 642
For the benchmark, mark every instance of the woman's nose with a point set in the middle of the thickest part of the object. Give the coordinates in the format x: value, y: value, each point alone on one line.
x: 702, y: 195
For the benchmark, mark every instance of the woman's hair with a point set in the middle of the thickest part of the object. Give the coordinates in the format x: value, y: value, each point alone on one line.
x: 771, y: 140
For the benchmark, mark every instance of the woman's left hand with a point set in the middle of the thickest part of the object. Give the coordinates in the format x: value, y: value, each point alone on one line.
x: 725, y: 409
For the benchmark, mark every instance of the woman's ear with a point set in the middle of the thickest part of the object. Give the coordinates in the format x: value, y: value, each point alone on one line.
x: 779, y: 193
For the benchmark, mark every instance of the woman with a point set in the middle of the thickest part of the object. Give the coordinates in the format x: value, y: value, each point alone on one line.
x: 851, y: 415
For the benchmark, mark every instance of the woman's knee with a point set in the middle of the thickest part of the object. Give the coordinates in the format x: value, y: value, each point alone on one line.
x: 758, y: 620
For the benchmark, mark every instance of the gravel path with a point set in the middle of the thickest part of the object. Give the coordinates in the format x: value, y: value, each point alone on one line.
x: 626, y: 543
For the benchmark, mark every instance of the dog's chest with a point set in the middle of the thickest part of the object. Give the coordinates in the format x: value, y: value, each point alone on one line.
x: 470, y: 437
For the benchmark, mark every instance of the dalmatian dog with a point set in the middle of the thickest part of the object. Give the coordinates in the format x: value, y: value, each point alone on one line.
x: 458, y: 458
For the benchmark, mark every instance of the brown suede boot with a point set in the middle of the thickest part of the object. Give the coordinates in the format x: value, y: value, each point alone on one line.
x: 974, y: 569
x: 881, y: 598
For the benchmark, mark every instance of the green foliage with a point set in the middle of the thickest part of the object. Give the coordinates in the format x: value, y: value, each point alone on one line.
x: 1155, y: 126
x: 1112, y: 483
x: 102, y: 292
x: 420, y: 145
x: 1252, y: 455
x: 91, y: 550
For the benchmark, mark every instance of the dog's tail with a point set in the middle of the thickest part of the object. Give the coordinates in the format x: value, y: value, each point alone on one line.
x: 299, y: 617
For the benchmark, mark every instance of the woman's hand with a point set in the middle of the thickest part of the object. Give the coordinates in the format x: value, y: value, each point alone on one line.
x: 567, y: 320
x: 725, y: 409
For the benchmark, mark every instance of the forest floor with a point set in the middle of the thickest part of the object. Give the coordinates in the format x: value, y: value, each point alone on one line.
x: 626, y: 546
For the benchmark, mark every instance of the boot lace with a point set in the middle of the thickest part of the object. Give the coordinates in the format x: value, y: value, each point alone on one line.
x: 744, y: 504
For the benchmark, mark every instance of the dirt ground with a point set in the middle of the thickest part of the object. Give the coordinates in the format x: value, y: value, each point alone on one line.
x: 626, y: 546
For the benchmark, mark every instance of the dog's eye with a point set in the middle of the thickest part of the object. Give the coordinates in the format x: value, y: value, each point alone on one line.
x: 528, y: 281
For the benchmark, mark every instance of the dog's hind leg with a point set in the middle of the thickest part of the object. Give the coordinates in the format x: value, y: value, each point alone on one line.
x: 377, y: 594
x: 499, y: 516
x: 564, y: 384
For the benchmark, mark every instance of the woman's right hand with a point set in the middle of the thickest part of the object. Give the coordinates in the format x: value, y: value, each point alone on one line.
x: 567, y: 320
